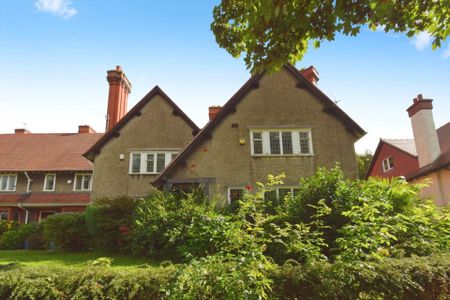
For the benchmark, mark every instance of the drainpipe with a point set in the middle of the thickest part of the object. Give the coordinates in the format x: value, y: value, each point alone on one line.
x: 27, y: 213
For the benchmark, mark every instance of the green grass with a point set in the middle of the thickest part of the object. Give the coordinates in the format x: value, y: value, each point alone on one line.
x: 72, y: 259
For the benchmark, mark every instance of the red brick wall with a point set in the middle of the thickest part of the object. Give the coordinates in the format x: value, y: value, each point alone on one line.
x: 403, y: 163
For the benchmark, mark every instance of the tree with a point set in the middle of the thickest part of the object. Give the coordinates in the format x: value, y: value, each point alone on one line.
x: 272, y: 33
x: 363, y: 160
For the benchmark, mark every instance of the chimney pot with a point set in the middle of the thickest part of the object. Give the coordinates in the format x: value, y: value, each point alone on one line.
x: 311, y: 74
x: 119, y: 88
x: 85, y: 129
x: 213, y: 111
x: 21, y: 131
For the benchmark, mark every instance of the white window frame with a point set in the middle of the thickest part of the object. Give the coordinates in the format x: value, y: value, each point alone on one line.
x: 143, y: 161
x: 8, y: 183
x: 234, y: 188
x: 295, y: 134
x: 82, y: 188
x: 390, y: 167
x: 277, y: 190
x: 45, y: 182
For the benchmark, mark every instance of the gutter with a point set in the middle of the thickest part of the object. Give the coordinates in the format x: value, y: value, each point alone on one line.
x: 27, y: 213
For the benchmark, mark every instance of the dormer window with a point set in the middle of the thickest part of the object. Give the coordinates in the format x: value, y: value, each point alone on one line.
x: 286, y: 142
x: 8, y: 182
x: 388, y: 164
x: 49, y: 182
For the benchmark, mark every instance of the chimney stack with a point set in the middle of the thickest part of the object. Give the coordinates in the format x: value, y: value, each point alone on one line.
x: 425, y: 135
x: 213, y: 111
x: 21, y: 131
x: 311, y: 74
x: 119, y: 88
x: 85, y: 129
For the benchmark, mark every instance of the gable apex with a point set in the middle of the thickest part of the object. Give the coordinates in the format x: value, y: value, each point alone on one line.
x: 136, y: 111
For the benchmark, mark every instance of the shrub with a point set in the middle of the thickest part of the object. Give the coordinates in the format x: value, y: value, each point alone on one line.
x: 222, y: 277
x: 6, y: 226
x: 109, y: 222
x: 67, y: 230
x: 16, y: 238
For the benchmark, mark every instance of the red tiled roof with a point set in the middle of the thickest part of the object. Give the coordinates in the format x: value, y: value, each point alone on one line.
x: 46, y: 152
x: 45, y: 199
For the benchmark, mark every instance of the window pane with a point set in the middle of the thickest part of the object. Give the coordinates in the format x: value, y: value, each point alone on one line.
x: 151, y: 163
x: 274, y: 142
x: 391, y: 162
x: 136, y: 163
x: 270, y: 195
x: 287, y: 142
x: 304, y: 142
x: 50, y: 182
x: 236, y: 194
x: 3, y: 216
x: 78, y: 182
x: 87, y: 182
x: 160, y: 162
x: 12, y: 183
x: 257, y: 143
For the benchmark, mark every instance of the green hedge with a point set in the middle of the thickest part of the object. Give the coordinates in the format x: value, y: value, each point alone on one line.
x: 410, y: 278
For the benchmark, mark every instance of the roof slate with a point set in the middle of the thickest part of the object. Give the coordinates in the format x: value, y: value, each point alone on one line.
x: 46, y: 151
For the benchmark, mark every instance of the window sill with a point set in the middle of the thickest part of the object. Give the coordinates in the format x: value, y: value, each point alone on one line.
x: 282, y: 155
x: 144, y: 173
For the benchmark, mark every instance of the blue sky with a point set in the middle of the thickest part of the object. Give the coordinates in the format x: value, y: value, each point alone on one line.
x: 54, y: 55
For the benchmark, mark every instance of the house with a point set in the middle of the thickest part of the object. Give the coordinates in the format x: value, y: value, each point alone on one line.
x: 42, y: 174
x: 138, y: 144
x: 280, y: 123
x: 427, y: 156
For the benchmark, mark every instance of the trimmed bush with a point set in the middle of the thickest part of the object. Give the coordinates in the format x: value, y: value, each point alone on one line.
x: 67, y: 230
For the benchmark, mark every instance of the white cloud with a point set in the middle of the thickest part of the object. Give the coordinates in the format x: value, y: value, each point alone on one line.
x: 60, y: 8
x: 421, y: 40
x: 446, y: 53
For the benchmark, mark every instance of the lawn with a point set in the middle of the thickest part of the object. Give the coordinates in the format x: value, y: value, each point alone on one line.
x: 73, y: 259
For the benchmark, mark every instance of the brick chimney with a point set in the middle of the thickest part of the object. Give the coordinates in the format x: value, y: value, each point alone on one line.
x: 311, y: 74
x: 425, y: 135
x: 85, y: 129
x: 119, y: 88
x: 213, y: 111
x: 21, y: 131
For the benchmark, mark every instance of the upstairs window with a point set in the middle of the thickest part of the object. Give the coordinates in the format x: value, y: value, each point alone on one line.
x: 281, y: 142
x: 150, y: 162
x: 388, y: 164
x: 8, y: 182
x: 49, y: 182
x: 235, y: 194
x: 82, y: 182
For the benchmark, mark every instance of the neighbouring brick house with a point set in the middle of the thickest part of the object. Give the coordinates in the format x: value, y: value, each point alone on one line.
x: 42, y: 174
x: 427, y: 156
x: 273, y: 124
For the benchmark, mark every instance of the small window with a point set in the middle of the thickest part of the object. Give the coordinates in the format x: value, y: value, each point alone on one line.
x: 82, y: 182
x: 281, y: 142
x: 150, y: 162
x: 235, y: 194
x: 49, y: 182
x: 8, y: 182
x: 270, y: 195
x: 4, y: 215
x: 388, y: 164
x: 45, y: 214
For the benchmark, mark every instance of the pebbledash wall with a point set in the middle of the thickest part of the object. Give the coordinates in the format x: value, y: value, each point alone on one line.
x: 155, y: 128
x: 226, y: 160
